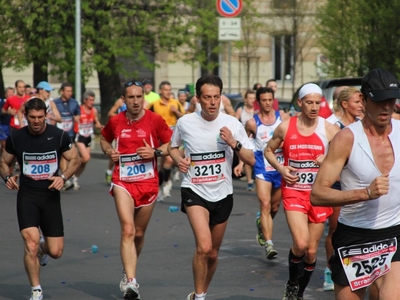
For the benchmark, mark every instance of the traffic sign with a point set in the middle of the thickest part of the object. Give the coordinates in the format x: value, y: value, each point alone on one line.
x: 229, y: 29
x: 229, y: 8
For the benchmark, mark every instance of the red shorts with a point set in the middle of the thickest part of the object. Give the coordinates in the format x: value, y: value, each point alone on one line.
x: 142, y: 194
x: 316, y: 214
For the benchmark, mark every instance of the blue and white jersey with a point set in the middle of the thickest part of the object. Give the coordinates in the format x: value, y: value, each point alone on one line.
x: 263, y: 134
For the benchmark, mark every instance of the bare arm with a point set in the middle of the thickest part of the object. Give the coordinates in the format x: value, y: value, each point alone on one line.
x: 192, y: 105
x: 183, y: 163
x: 113, y: 110
x: 238, y: 113
x: 96, y: 119
x: 284, y: 116
x: 339, y: 151
x: 228, y: 106
x: 108, y: 150
x: 56, y: 114
x: 6, y: 162
x: 72, y: 157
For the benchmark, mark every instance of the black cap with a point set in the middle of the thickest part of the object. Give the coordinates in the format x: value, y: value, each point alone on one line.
x: 380, y: 84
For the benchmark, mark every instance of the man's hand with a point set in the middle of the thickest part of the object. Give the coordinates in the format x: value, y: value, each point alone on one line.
x: 12, y: 184
x: 184, y: 164
x: 227, y: 137
x: 289, y: 174
x: 379, y: 186
x: 113, y: 154
x: 145, y: 152
x: 57, y: 184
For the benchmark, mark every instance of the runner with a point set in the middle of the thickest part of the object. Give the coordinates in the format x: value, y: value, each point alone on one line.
x: 70, y: 113
x: 84, y: 131
x: 149, y: 95
x: 363, y: 155
x: 135, y: 178
x: 305, y: 142
x: 268, y: 179
x: 38, y: 147
x: 207, y: 170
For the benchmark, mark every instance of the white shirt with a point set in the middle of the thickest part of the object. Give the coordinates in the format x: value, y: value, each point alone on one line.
x: 210, y: 172
x: 359, y: 172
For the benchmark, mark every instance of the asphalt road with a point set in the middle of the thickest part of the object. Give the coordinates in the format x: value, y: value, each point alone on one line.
x: 164, y: 270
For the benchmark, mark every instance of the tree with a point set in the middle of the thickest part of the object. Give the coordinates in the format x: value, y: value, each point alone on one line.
x: 360, y: 35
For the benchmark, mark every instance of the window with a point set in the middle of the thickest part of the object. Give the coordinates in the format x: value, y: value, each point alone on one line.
x: 283, y: 4
x: 283, y: 56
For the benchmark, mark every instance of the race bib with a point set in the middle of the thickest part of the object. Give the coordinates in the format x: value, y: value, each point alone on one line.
x: 66, y: 123
x: 306, y: 171
x: 85, y: 129
x: 279, y: 157
x: 134, y: 168
x: 39, y: 166
x: 364, y: 263
x: 208, y: 167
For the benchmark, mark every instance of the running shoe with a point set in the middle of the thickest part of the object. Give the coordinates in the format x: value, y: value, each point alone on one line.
x: 123, y: 282
x: 270, y: 251
x: 131, y: 291
x: 328, y: 283
x: 176, y: 176
x: 75, y: 182
x: 160, y: 197
x: 250, y: 186
x: 43, y: 258
x: 290, y: 292
x: 36, y: 295
x: 67, y: 185
x: 108, y: 178
x: 167, y: 189
x: 260, y: 236
x: 191, y: 296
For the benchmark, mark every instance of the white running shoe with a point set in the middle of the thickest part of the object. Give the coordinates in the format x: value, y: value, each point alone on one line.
x: 160, y: 197
x: 191, y: 296
x: 131, y: 291
x: 75, y: 182
x: 122, y: 283
x: 36, y: 295
x: 43, y: 257
x: 167, y: 189
x: 176, y: 176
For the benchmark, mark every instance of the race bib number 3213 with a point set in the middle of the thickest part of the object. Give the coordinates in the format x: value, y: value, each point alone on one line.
x: 208, y: 167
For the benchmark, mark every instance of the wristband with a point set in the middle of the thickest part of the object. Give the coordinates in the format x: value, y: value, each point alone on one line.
x: 369, y: 192
x: 6, y: 178
x: 64, y: 177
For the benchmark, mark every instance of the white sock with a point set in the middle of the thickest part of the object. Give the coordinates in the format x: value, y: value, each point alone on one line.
x: 38, y: 287
x: 269, y: 242
x: 109, y: 172
x: 201, y: 296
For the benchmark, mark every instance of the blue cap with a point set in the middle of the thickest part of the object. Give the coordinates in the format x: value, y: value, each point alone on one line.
x: 44, y: 85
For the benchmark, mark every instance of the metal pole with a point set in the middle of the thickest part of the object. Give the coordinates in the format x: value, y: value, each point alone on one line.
x: 78, y: 59
x: 229, y: 68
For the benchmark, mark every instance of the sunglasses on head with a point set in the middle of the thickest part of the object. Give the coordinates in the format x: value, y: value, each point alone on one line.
x: 130, y: 83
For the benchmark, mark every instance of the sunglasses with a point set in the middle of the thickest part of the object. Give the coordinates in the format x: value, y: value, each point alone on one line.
x: 130, y: 83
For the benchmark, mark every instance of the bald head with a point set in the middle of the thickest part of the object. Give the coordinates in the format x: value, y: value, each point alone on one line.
x: 337, y: 91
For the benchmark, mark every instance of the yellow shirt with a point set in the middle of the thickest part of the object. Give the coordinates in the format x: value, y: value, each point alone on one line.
x: 151, y: 97
x: 164, y: 110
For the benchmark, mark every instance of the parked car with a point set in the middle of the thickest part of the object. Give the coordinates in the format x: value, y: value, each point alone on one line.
x: 328, y: 87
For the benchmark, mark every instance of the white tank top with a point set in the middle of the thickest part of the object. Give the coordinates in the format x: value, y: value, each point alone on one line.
x: 245, y: 115
x: 210, y: 171
x: 359, y: 172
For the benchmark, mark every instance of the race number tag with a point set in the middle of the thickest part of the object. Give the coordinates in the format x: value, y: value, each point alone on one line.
x: 39, y: 166
x: 66, y: 123
x: 279, y: 157
x: 364, y: 263
x: 133, y: 168
x: 306, y: 171
x: 85, y: 129
x: 207, y: 167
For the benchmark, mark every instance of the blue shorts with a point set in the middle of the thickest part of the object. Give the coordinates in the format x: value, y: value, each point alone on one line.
x: 4, y: 132
x: 274, y: 177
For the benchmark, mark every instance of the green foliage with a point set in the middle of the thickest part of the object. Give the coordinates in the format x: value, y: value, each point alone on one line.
x: 360, y: 35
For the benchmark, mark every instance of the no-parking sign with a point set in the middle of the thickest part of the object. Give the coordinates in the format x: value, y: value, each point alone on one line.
x: 229, y: 8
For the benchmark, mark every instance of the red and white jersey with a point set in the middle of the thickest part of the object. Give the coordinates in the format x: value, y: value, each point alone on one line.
x: 85, y: 125
x: 129, y: 136
x: 300, y: 152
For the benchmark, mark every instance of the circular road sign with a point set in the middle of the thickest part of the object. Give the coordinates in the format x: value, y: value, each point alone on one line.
x: 229, y: 8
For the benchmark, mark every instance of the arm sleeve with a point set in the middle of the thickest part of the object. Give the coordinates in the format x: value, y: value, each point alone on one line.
x: 65, y: 142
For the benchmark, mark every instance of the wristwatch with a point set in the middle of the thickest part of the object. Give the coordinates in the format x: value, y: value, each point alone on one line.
x: 157, y: 152
x: 238, y: 146
x: 64, y: 177
x: 6, y: 178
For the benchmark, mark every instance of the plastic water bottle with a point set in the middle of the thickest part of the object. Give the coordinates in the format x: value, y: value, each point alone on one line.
x: 292, y: 111
x: 173, y: 208
x: 94, y: 249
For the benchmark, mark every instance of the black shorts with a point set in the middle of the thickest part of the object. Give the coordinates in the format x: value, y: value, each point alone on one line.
x: 36, y: 207
x: 219, y: 211
x: 86, y: 140
x: 346, y: 236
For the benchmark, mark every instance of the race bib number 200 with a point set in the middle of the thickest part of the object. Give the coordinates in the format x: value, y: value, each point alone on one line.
x: 208, y: 167
x: 364, y: 263
x: 133, y: 168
